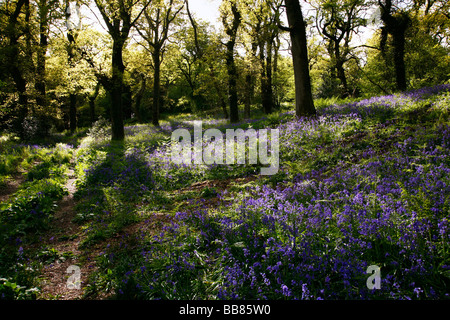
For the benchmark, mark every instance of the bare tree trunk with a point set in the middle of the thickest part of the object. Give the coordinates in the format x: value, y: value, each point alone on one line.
x: 266, y: 77
x: 232, y: 83
x: 395, y: 24
x: 250, y: 82
x: 343, y: 78
x: 156, y: 87
x: 231, y: 30
x: 276, y: 95
x: 127, y: 101
x: 118, y: 68
x: 399, y: 57
x: 304, y: 104
x: 224, y: 107
x: 13, y: 65
x: 41, y: 52
x: 72, y: 95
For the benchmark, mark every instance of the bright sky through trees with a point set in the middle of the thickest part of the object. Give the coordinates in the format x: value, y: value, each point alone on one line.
x: 207, y: 10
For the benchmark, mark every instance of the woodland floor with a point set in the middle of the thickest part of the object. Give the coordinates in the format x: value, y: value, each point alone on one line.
x: 140, y: 227
x: 66, y: 236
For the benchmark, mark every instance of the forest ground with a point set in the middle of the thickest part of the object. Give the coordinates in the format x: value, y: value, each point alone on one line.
x: 365, y: 182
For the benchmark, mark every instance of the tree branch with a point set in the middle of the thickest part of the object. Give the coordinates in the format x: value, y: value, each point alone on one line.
x: 283, y: 28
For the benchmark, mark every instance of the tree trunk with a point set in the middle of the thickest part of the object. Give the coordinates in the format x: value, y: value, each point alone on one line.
x: 249, y: 93
x: 266, y: 77
x: 250, y: 82
x: 92, y: 103
x: 220, y: 94
x: 21, y: 87
x: 276, y: 96
x: 41, y: 53
x: 118, y: 132
x: 224, y: 107
x: 269, y: 89
x: 232, y: 83
x: 127, y: 101
x: 73, y: 112
x: 396, y: 25
x: 156, y: 87
x: 13, y: 65
x: 72, y: 95
x: 22, y: 108
x: 339, y: 64
x: 399, y: 57
x: 304, y: 104
x: 342, y: 78
x: 231, y: 30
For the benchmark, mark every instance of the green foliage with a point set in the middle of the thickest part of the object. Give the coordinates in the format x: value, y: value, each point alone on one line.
x: 12, y: 291
x: 100, y: 130
x: 28, y: 213
x: 13, y: 157
x: 426, y: 60
x: 31, y: 208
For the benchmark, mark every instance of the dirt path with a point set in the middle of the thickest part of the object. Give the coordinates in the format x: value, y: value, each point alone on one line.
x: 64, y: 237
